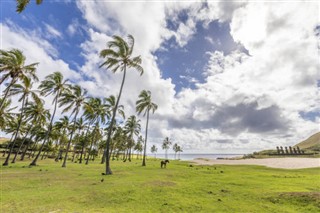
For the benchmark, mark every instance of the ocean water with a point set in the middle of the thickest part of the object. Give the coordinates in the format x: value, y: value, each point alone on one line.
x: 195, y: 155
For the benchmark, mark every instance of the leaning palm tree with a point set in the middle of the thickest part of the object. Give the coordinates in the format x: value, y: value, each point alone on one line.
x: 118, y: 57
x: 52, y: 85
x: 35, y: 114
x: 25, y: 89
x: 12, y: 65
x: 22, y: 4
x: 74, y: 99
x: 6, y: 114
x: 145, y: 104
x: 132, y: 127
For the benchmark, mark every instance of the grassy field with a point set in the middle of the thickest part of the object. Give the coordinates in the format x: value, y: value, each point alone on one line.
x: 179, y: 188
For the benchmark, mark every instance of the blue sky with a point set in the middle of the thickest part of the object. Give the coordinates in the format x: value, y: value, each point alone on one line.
x: 227, y: 76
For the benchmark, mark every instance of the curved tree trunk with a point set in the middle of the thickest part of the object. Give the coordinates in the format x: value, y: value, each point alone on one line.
x: 13, y: 81
x: 6, y: 163
x: 82, y: 150
x: 145, y: 141
x: 34, y: 162
x: 26, y: 149
x: 24, y: 139
x: 108, y: 169
x: 93, y: 138
x: 7, y: 148
x: 64, y: 164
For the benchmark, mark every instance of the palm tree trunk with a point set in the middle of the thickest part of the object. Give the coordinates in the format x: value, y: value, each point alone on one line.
x: 34, y: 162
x: 13, y: 81
x: 59, y: 144
x: 80, y: 161
x: 33, y: 149
x: 64, y: 164
x: 93, y: 138
x: 145, y: 141
x: 6, y: 163
x: 24, y: 139
x: 26, y: 149
x: 108, y: 169
x: 7, y: 148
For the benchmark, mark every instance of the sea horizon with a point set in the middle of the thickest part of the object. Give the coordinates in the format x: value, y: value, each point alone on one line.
x: 192, y: 156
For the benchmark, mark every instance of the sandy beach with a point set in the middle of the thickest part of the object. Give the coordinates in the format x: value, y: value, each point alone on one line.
x: 283, y: 163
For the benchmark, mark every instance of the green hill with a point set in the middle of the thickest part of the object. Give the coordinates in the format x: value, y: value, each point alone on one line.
x: 312, y: 143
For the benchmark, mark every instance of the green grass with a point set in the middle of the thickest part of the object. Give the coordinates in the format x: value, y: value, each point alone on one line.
x: 179, y: 188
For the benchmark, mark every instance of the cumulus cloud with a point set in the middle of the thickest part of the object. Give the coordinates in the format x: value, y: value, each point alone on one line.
x: 248, y: 101
x: 36, y: 49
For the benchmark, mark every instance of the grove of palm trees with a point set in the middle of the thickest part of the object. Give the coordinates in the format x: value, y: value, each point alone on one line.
x: 90, y: 127
x: 191, y: 114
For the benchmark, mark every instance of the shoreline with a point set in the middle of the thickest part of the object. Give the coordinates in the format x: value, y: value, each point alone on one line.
x: 281, y: 163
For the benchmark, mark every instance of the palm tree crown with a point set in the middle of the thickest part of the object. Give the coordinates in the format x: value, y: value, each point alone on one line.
x: 145, y: 104
x: 12, y: 65
x: 118, y: 54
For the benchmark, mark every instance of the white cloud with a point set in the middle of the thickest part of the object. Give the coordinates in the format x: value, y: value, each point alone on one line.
x: 246, y: 102
x: 267, y: 86
x: 35, y: 49
x: 52, y: 32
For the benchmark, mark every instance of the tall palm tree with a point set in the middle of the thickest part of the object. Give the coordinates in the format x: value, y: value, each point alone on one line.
x: 145, y: 104
x: 25, y: 89
x: 52, y: 85
x: 166, y: 145
x: 74, y: 99
x: 12, y: 65
x: 119, y: 57
x: 22, y: 4
x: 132, y: 127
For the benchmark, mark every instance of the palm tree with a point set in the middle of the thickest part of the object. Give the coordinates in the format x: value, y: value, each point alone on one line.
x: 61, y: 126
x: 80, y: 126
x: 179, y: 151
x: 12, y: 65
x: 145, y: 104
x: 74, y: 99
x: 154, y: 150
x: 138, y: 147
x: 111, y: 105
x: 52, y: 85
x: 166, y: 145
x: 25, y: 90
x: 119, y: 57
x: 22, y: 4
x: 132, y: 127
x: 36, y: 114
x: 96, y: 111
x: 175, y: 148
x: 6, y: 114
